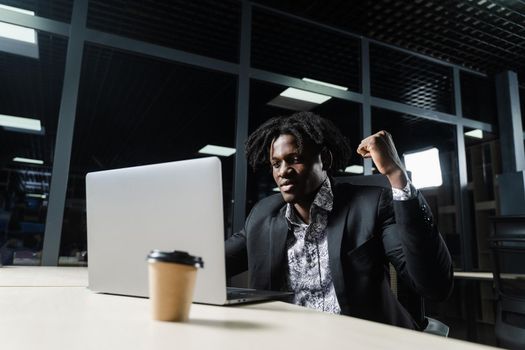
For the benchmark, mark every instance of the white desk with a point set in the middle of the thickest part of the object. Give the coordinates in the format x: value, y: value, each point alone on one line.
x: 43, y: 276
x: 58, y: 317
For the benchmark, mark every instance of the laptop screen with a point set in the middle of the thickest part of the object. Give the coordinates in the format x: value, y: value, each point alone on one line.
x: 168, y: 206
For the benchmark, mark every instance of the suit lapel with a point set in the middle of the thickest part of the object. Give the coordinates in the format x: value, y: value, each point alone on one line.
x: 278, y: 234
x: 335, y: 230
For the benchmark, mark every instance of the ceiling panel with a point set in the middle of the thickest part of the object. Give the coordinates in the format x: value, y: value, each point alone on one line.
x: 290, y: 47
x: 408, y: 79
x: 204, y: 27
x: 485, y: 35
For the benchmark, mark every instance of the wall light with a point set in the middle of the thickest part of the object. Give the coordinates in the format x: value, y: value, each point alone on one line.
x: 425, y: 167
x: 476, y: 133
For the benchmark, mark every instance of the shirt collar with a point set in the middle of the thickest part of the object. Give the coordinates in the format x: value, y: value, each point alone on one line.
x: 324, y: 199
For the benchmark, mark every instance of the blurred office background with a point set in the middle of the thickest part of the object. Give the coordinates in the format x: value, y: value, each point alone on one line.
x: 104, y: 84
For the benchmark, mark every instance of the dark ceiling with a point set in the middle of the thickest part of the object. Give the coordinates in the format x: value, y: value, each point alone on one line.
x: 123, y: 96
x: 485, y: 35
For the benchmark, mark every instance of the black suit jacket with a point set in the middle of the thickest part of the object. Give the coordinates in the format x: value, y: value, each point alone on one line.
x: 366, y: 230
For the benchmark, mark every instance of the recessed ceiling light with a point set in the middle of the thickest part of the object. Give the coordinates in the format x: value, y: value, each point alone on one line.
x: 217, y: 150
x: 305, y: 95
x: 28, y: 160
x: 310, y: 96
x: 476, y: 133
x: 425, y: 168
x: 20, y: 123
x: 302, y: 100
x: 15, y: 32
x: 354, y: 169
x: 17, y: 39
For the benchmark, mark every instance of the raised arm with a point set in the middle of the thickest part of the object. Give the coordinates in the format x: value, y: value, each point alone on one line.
x: 410, y: 236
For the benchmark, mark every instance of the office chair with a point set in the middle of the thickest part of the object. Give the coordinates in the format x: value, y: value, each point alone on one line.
x: 411, y: 301
x: 508, y: 251
x: 415, y: 305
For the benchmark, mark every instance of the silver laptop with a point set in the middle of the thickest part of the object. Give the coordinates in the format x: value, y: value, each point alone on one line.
x: 169, y: 206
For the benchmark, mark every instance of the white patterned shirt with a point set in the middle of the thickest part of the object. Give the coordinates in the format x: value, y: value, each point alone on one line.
x: 309, y: 274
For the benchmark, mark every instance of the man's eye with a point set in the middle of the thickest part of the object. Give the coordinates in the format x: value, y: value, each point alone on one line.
x: 296, y: 159
x: 276, y: 165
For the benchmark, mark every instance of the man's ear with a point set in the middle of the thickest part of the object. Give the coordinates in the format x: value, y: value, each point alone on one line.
x: 327, y: 158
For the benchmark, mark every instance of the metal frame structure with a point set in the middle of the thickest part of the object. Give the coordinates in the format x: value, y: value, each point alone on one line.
x: 78, y: 34
x: 64, y: 138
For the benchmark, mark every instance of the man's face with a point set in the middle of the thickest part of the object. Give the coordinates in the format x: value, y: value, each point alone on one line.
x: 298, y: 175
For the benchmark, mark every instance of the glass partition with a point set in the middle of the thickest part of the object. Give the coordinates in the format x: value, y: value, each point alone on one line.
x: 135, y: 110
x: 29, y: 106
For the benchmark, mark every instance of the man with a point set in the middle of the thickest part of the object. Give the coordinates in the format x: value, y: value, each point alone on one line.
x: 330, y: 243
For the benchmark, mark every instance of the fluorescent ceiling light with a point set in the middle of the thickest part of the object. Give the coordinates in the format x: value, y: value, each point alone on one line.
x: 28, y: 160
x: 35, y: 195
x: 476, y: 133
x: 276, y: 189
x: 354, y: 169
x: 425, y: 168
x: 310, y: 96
x: 305, y: 95
x: 344, y: 88
x: 302, y: 100
x: 20, y: 123
x: 217, y: 150
x: 17, y: 39
x: 15, y: 32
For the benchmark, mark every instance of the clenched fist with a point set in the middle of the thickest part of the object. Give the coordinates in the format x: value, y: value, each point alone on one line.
x: 380, y: 147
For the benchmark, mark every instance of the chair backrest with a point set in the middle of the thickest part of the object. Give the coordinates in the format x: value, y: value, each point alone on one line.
x: 508, y: 251
x: 365, y: 180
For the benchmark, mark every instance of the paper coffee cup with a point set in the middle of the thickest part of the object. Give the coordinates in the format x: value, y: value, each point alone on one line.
x: 171, y: 282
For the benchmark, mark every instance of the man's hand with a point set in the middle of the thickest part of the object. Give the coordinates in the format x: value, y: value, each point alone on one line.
x: 380, y: 147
